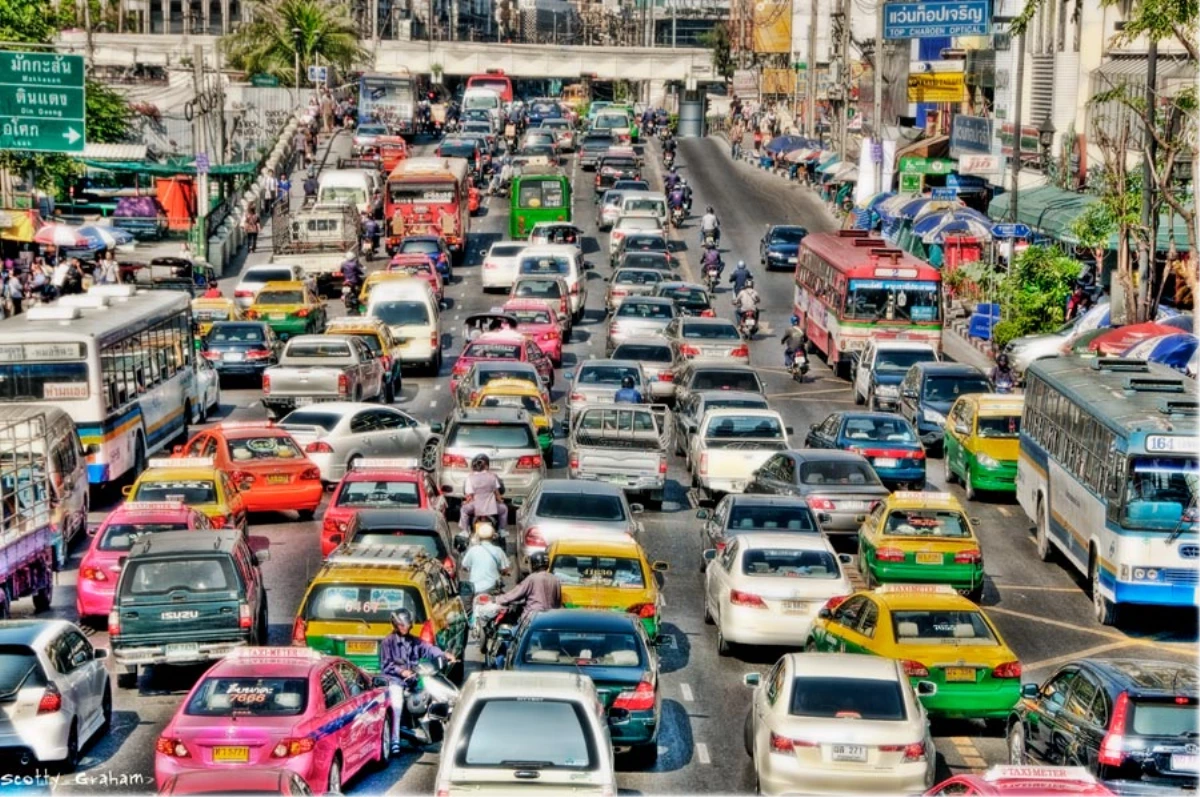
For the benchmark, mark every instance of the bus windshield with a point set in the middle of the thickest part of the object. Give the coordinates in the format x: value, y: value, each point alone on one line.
x: 1162, y: 492
x: 43, y: 381
x: 541, y: 194
x: 892, y: 300
x: 418, y: 194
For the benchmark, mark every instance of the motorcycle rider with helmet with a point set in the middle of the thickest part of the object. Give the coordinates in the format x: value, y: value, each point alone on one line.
x: 628, y: 394
x: 540, y: 591
x: 740, y: 276
x: 399, y: 654
x: 483, y: 496
x: 671, y: 180
x: 710, y: 225
x: 746, y: 301
x: 352, y: 280
x: 1002, y: 376
x: 794, y: 341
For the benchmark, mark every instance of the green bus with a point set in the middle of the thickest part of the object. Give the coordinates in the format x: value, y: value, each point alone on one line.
x: 538, y: 195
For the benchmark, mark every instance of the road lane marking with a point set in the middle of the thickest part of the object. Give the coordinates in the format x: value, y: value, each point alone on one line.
x: 1033, y: 587
x: 702, y: 753
x: 1172, y: 647
x: 686, y: 691
x: 806, y: 393
x: 1078, y: 654
x: 1003, y: 510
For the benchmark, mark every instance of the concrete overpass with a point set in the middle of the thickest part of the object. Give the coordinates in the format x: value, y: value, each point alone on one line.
x: 454, y: 58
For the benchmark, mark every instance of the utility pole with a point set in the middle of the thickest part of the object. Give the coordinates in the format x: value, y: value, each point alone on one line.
x: 877, y: 110
x: 1019, y: 94
x: 199, y: 145
x: 1147, y: 256
x: 844, y: 121
x: 810, y: 116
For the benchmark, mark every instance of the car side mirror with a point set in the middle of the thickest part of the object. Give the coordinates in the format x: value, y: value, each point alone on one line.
x: 910, y: 393
x: 660, y: 567
x: 974, y: 521
x: 569, y: 375
x: 789, y: 430
x: 824, y: 517
x: 703, y: 514
x: 752, y: 679
x: 447, y: 489
x: 962, y: 428
x: 588, y: 265
x: 100, y: 653
x: 926, y: 688
x: 92, y: 529
x: 243, y: 486
x: 710, y: 554
x: 823, y: 613
x: 504, y: 633
x: 845, y: 558
x: 637, y: 509
x: 436, y: 428
x: 554, y: 408
x: 379, y: 682
x: 661, y: 640
x: 1032, y: 691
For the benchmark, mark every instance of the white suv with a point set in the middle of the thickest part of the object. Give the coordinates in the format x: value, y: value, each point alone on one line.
x: 882, y: 366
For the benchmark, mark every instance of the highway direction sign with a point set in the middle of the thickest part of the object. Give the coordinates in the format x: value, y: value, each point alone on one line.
x: 42, y: 102
x: 1011, y: 231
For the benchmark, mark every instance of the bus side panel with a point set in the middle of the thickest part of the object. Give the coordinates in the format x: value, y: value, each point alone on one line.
x: 114, y: 440
x: 1031, y: 476
x: 813, y: 319
x: 163, y: 410
x: 1076, y: 519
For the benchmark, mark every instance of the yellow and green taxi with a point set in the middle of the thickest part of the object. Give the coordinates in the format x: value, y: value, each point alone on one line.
x: 288, y: 308
x: 375, y: 279
x: 195, y: 482
x: 347, y: 607
x: 922, y: 538
x: 206, y: 312
x: 382, y: 343
x: 609, y: 574
x: 938, y: 635
x: 522, y: 395
x: 982, y: 440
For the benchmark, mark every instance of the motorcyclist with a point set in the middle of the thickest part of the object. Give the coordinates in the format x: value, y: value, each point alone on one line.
x: 484, y: 563
x: 676, y: 199
x: 628, y: 394
x: 1002, y: 375
x: 399, y: 655
x: 740, y: 276
x: 352, y: 274
x: 794, y: 340
x: 483, y: 497
x: 709, y: 223
x: 711, y: 258
x: 310, y: 187
x: 671, y: 180
x: 746, y: 300
x: 540, y: 591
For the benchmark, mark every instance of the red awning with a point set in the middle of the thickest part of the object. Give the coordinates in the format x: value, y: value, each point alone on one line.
x: 1114, y: 342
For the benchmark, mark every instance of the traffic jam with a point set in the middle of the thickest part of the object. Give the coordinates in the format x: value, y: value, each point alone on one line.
x: 528, y: 493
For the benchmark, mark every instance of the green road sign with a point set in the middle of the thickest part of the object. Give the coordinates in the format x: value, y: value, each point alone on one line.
x: 911, y: 182
x: 914, y: 165
x: 42, y: 102
x: 264, y: 81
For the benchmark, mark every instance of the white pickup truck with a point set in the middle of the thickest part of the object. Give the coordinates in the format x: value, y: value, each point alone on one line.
x: 622, y: 444
x: 730, y: 445
x: 317, y: 368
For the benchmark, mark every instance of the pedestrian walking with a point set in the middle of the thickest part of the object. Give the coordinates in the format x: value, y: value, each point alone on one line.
x: 251, y: 225
x: 14, y: 293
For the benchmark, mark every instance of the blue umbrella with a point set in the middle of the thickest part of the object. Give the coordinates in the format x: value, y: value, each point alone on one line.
x: 782, y: 144
x: 947, y: 226
x: 104, y: 237
x: 1182, y: 322
x: 1173, y: 351
x: 872, y: 202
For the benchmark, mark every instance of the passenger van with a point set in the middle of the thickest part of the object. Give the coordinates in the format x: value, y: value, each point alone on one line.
x: 410, y: 308
x: 356, y: 186
x: 483, y: 99
x: 644, y: 203
x: 45, y: 438
x: 558, y: 260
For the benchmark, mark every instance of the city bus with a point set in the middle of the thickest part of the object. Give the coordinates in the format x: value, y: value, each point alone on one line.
x: 428, y: 196
x: 538, y: 194
x: 390, y: 98
x: 1108, y: 473
x: 117, y: 360
x: 493, y: 79
x: 851, y: 288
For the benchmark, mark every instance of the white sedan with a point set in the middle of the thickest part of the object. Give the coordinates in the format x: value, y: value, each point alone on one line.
x: 500, y: 265
x: 208, y: 390
x: 765, y: 588
x: 823, y: 723
x: 336, y: 433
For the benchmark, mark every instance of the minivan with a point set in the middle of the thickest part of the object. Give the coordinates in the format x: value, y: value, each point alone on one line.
x: 644, y: 203
x: 410, y: 308
x: 347, y: 185
x: 562, y: 260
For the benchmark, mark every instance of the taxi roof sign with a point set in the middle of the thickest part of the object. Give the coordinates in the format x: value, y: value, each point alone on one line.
x: 293, y: 653
x: 385, y: 555
x: 1013, y: 772
x: 153, y: 506
x: 916, y: 589
x: 386, y: 463
x: 920, y: 495
x: 181, y: 462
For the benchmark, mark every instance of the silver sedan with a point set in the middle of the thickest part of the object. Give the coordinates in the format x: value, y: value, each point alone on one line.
x: 657, y: 359
x: 336, y: 433
x: 639, y: 316
x: 569, y: 509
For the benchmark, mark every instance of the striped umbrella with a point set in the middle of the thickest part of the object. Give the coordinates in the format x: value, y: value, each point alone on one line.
x: 874, y: 201
x: 62, y: 235
x: 105, y: 237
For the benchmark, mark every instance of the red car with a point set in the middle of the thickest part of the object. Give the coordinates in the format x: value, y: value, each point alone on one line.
x: 511, y: 346
x: 541, y: 324
x: 420, y: 266
x: 1023, y: 780
x: 377, y: 484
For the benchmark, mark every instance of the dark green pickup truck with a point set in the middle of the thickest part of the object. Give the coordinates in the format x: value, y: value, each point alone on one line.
x: 185, y: 597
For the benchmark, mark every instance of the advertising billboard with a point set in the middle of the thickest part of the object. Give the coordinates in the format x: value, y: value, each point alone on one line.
x: 772, y: 26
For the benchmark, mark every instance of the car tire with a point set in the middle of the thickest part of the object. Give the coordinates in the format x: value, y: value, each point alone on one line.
x: 385, y: 743
x: 71, y: 761
x: 388, y: 392
x: 1016, y: 745
x: 358, y: 393
x: 858, y: 398
x: 975, y: 595
x: 1045, y: 551
x: 708, y: 618
x: 127, y: 680
x: 1104, y: 610
x: 654, y: 500
x: 106, y: 713
x: 969, y: 487
x: 306, y: 514
x: 644, y: 756
x: 748, y: 733
x: 333, y: 783
x: 947, y: 472
x: 43, y: 597
x: 724, y: 646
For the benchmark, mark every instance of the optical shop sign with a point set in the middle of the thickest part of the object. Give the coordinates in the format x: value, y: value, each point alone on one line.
x: 935, y: 19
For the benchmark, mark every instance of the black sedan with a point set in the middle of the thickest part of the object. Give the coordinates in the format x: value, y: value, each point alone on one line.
x: 780, y: 247
x: 240, y: 348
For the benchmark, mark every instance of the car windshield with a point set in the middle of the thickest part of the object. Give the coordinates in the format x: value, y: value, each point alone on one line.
x: 162, y: 576
x: 582, y: 649
x: 1166, y: 719
x: 19, y: 668
x: 247, y: 449
x: 647, y: 310
x: 250, y: 697
x: 500, y: 435
x: 186, y: 491
x: 369, y: 603
x: 236, y: 333
x: 760, y: 427
x: 633, y: 276
x: 581, y: 506
x: 325, y: 420
x: 279, y: 297
x: 369, y: 339
x: 598, y: 571
x: 1162, y: 493
x: 786, y: 235
x: 541, y: 289
x: 892, y: 300
x: 727, y: 380
x: 554, y: 734
x: 608, y: 375
x: 949, y: 388
x: 399, y: 313
x: 710, y: 332
x: 947, y: 627
x: 264, y: 275
x: 850, y: 698
x: 544, y: 264
x: 999, y: 426
x: 926, y: 523
x: 770, y: 517
x: 643, y: 352
x: 788, y: 563
x: 122, y: 536
x: 878, y: 430
x: 840, y: 472
x: 492, y: 351
x: 379, y: 494
x: 426, y: 540
x: 902, y: 359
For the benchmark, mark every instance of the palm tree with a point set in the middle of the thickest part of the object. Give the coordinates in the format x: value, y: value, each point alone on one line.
x: 281, y: 28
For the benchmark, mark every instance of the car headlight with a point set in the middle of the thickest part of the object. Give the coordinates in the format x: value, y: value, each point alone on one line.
x: 1140, y: 573
x: 986, y: 461
x: 933, y: 416
x: 887, y: 391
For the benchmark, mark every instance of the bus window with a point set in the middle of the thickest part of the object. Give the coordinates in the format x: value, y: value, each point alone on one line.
x: 1162, y: 492
x: 890, y: 300
x: 541, y: 194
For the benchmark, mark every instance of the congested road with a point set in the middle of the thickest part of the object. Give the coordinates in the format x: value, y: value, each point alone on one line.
x: 1040, y: 609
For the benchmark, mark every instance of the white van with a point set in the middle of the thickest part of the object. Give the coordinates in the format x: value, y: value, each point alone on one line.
x: 356, y: 186
x: 562, y: 260
x: 644, y: 203
x: 411, y: 310
x: 484, y: 99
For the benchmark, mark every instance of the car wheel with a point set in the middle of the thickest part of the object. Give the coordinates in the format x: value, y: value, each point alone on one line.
x: 1016, y: 745
x: 975, y: 595
x: 644, y: 756
x: 306, y: 514
x: 334, y: 784
x: 858, y: 398
x: 358, y: 393
x: 1104, y: 610
x: 970, y: 486
x: 724, y: 648
x: 947, y: 472
x: 201, y: 412
x: 708, y: 617
x: 106, y: 712
x: 385, y: 743
x: 127, y: 679
x: 71, y: 761
x: 1042, y: 534
x: 389, y: 392
x: 748, y: 733
x: 43, y: 597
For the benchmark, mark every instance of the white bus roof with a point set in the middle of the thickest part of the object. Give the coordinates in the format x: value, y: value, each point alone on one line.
x: 121, y: 315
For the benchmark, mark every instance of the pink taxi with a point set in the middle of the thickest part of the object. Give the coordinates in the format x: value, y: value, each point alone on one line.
x: 290, y: 708
x: 1021, y: 780
x: 540, y: 323
x: 101, y: 565
x: 419, y: 265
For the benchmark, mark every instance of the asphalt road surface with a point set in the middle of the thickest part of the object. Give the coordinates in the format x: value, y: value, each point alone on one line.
x: 1041, y: 609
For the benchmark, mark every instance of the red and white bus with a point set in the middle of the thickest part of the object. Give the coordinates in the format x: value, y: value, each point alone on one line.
x: 851, y: 288
x: 496, y: 80
x: 428, y: 196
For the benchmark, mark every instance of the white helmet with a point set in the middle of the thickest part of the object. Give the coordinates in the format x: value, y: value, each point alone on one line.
x: 485, y: 531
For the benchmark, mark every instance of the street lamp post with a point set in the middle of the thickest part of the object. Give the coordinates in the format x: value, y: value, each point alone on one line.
x: 296, y: 33
x: 1046, y: 141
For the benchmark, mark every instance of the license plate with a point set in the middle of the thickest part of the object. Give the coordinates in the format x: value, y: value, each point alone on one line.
x: 362, y: 647
x: 303, y: 401
x: 281, y: 478
x: 182, y: 649
x: 795, y: 607
x: 231, y: 755
x: 233, y: 356
x: 614, y: 479
x: 852, y: 506
x: 960, y: 674
x: 1182, y: 761
x: 929, y: 558
x: 886, y: 462
x: 849, y: 752
x: 277, y: 316
x: 791, y: 260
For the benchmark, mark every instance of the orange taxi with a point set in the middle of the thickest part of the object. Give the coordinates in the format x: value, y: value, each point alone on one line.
x: 268, y: 466
x: 392, y: 150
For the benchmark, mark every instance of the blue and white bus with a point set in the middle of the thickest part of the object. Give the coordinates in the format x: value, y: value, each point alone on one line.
x: 1108, y: 473
x: 117, y: 360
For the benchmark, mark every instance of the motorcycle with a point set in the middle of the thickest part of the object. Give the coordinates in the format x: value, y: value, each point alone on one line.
x: 428, y: 704
x: 496, y: 624
x: 710, y: 240
x: 798, y: 367
x: 668, y: 159
x: 748, y: 324
x: 350, y: 299
x: 712, y: 276
x: 678, y: 214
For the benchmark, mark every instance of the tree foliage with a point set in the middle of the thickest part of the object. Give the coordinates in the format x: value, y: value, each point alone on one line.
x: 718, y: 41
x: 1033, y: 295
x: 268, y: 44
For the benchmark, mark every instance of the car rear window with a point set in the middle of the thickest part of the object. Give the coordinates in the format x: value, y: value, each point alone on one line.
x: 531, y: 316
x: 629, y: 276
x: 428, y: 540
x: 236, y: 333
x: 553, y: 734
x: 379, y: 494
x: 926, y: 523
x: 644, y: 259
x: 249, y: 697
x: 485, y: 375
x: 505, y: 250
x: 122, y: 536
x: 608, y: 375
x: 183, y: 574
x: 190, y: 492
x: 643, y: 352
x: 598, y: 571
x: 493, y: 351
x: 486, y: 435
x: 325, y: 420
x: 655, y: 310
x: 318, y: 348
x: 766, y: 428
x: 581, y: 506
x: 265, y: 275
x: 545, y: 264
x: 418, y: 247
x: 724, y: 403
x: 19, y: 668
x: 532, y: 404
x: 544, y: 289
x: 879, y: 430
x: 369, y: 339
x: 690, y: 297
x: 367, y: 603
x: 398, y: 312
x: 279, y: 297
x: 853, y: 698
x: 839, y: 473
x: 789, y: 563
x: 726, y: 380
x: 1165, y: 719
x: 710, y: 332
x: 947, y: 627
x: 250, y: 449
x: 581, y: 649
x: 771, y: 517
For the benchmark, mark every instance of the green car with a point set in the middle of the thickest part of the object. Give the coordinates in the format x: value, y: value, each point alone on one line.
x: 289, y: 309
x: 613, y: 650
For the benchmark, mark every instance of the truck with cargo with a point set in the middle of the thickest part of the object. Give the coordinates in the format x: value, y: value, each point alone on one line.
x: 622, y: 444
x: 318, y: 239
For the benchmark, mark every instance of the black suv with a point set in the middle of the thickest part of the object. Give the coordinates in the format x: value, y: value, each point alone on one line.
x: 185, y: 597
x: 1134, y: 724
x: 928, y: 391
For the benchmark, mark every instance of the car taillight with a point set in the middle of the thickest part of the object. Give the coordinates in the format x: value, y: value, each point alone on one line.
x: 1112, y: 749
x: 210, y: 355
x: 454, y: 461
x: 708, y: 314
x: 343, y: 384
x: 488, y: 264
x: 175, y: 748
x: 243, y: 294
x: 704, y: 464
x: 971, y: 556
x: 266, y: 383
x: 258, y: 354
x: 619, y: 292
x: 244, y: 618
x: 427, y: 636
x: 291, y: 746
x: 239, y: 476
x: 889, y: 555
x: 217, y: 522
x: 434, y: 340
x: 912, y: 752
x: 251, y: 314
x: 915, y: 669
x: 643, y: 610
x: 1009, y: 669
x: 782, y: 744
x: 740, y: 351
x: 318, y: 447
x: 575, y: 289
x: 573, y: 464
x: 689, y: 351
x: 114, y: 623
x: 546, y: 337
x: 820, y: 503
x: 640, y: 699
x: 51, y: 701
x: 916, y: 454
x: 93, y: 573
x: 310, y: 475
x: 747, y: 599
x: 666, y: 376
x: 299, y: 632
x: 662, y: 464
x: 302, y: 312
x: 534, y: 538
x: 578, y: 398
